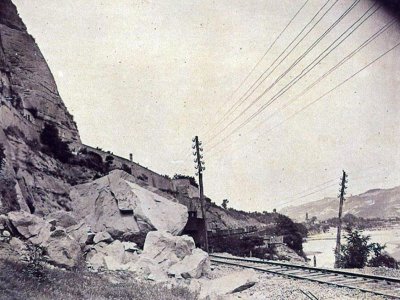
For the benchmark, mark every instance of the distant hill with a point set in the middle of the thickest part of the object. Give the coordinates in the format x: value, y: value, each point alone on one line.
x: 376, y: 203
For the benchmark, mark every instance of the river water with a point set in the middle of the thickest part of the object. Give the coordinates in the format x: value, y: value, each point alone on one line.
x: 322, y: 245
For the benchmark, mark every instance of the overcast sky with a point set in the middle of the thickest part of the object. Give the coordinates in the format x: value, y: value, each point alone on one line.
x: 146, y: 76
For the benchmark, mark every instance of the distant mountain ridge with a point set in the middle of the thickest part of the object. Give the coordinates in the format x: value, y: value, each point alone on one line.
x: 375, y: 203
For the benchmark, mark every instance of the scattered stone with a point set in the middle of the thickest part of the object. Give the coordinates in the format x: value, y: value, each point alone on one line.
x: 191, y: 266
x: 103, y: 255
x: 130, y: 247
x: 102, y: 236
x: 162, y: 246
x: 3, y: 222
x: 81, y: 233
x: 6, y: 233
x: 30, y: 226
x: 63, y: 250
x: 228, y: 284
x: 61, y: 218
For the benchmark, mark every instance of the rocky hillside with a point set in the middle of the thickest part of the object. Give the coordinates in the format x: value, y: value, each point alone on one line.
x: 377, y: 203
x: 28, y: 100
x: 38, y: 178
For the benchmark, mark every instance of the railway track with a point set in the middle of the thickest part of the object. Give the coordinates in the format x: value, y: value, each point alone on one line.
x: 378, y: 285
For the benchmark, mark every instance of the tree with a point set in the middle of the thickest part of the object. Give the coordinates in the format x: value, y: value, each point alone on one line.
x: 225, y: 203
x: 292, y: 233
x: 109, y: 162
x: 354, y: 254
x: 358, y: 252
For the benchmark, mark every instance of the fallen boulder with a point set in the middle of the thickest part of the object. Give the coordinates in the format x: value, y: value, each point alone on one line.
x: 110, y: 256
x: 31, y: 227
x: 61, y: 219
x: 62, y: 250
x: 119, y: 206
x: 81, y: 233
x: 102, y: 236
x: 191, y: 266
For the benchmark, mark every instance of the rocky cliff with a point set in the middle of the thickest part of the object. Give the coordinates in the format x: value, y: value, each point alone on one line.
x: 34, y: 180
x: 29, y: 99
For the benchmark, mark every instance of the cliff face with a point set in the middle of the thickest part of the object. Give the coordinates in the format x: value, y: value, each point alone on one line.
x: 29, y: 93
x: 28, y: 100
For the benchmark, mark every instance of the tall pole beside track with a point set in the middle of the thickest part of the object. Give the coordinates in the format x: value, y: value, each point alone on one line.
x: 200, y: 168
x: 339, y: 228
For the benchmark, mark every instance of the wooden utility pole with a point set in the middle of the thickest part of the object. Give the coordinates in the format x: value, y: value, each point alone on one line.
x: 200, y: 168
x: 339, y: 228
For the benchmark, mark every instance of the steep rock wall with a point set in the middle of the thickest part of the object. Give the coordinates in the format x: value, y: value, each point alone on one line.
x: 29, y: 98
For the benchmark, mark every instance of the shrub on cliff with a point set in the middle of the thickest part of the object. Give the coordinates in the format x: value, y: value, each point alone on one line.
x: 53, y: 145
x: 191, y: 179
x: 292, y: 233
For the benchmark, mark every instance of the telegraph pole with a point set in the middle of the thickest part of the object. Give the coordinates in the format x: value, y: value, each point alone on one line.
x: 200, y: 168
x: 339, y: 229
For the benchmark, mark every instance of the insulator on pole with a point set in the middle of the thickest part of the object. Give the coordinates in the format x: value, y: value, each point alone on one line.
x: 194, y: 153
x: 200, y: 143
x: 193, y: 147
x: 195, y: 160
x: 194, y: 139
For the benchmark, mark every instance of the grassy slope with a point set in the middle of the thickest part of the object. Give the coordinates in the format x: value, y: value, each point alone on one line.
x: 17, y: 282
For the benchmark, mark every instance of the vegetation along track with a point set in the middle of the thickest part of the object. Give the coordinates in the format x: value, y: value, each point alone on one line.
x: 379, y: 285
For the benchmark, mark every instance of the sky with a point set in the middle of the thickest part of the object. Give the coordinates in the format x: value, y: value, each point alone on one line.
x: 145, y: 77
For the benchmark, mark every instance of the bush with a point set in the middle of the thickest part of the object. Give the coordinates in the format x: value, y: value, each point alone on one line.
x: 383, y: 260
x: 54, y: 145
x: 358, y: 252
x: 239, y: 246
x: 191, y: 179
x: 292, y: 233
x: 354, y: 254
x: 126, y: 168
x: 109, y: 162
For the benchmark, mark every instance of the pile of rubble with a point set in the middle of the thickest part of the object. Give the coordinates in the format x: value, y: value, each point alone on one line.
x: 164, y: 258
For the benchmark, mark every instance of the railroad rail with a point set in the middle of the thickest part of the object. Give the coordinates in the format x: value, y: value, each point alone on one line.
x: 378, y: 285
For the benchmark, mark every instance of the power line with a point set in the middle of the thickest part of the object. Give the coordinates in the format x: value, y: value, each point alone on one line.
x: 373, y: 37
x: 261, y: 59
x: 291, y: 67
x: 344, y: 60
x: 239, y: 101
x: 311, y: 191
x: 303, y: 73
x: 336, y: 87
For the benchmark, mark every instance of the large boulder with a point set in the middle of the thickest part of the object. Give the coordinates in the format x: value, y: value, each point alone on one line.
x: 31, y: 227
x: 166, y: 249
x: 194, y: 265
x: 116, y: 204
x: 81, y: 233
x: 112, y: 256
x: 102, y: 236
x: 61, y: 218
x: 63, y: 250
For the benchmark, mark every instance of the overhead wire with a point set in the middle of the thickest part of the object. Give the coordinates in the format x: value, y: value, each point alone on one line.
x: 300, y: 58
x: 349, y: 31
x: 344, y: 60
x: 261, y: 59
